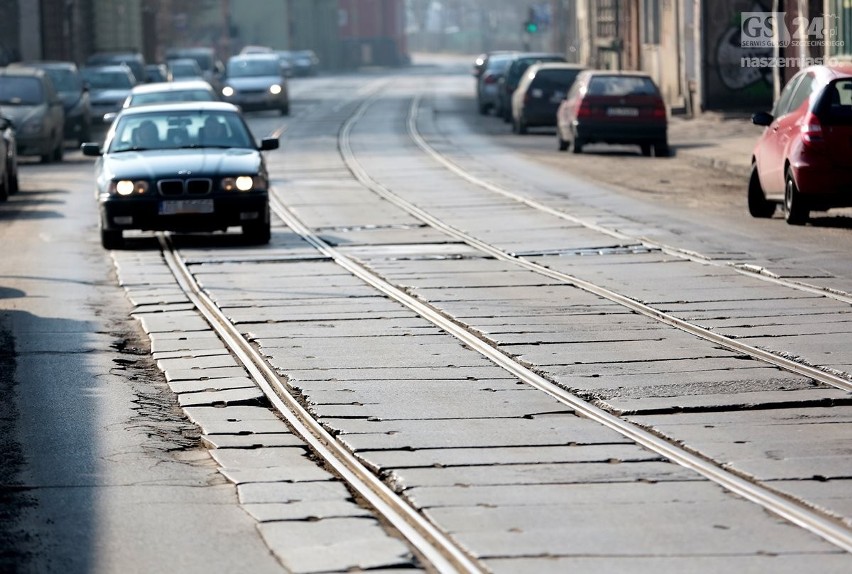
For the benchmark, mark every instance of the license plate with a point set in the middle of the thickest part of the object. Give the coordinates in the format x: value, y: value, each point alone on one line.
x: 623, y: 112
x: 182, y: 206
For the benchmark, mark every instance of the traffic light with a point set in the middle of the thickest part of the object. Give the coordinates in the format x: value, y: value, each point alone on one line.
x: 531, y: 26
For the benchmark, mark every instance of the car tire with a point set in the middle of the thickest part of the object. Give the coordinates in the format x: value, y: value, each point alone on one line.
x: 563, y: 144
x: 661, y: 149
x: 483, y: 109
x: 522, y: 126
x: 257, y: 233
x: 85, y: 134
x: 13, y: 181
x: 285, y: 111
x: 577, y: 145
x: 59, y: 150
x: 4, y: 186
x: 758, y: 205
x: 112, y: 238
x: 646, y: 149
x: 796, y: 211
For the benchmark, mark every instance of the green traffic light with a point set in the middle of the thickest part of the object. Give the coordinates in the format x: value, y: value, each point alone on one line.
x: 532, y: 27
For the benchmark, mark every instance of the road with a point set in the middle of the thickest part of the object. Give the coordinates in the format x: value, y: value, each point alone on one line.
x: 539, y: 352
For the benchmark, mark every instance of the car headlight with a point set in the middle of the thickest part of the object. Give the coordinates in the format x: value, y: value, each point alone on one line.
x: 243, y: 183
x: 128, y: 187
x: 227, y: 91
x: 275, y: 89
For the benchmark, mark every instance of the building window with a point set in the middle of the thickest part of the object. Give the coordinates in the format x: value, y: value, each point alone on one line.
x: 607, y: 18
x: 651, y: 21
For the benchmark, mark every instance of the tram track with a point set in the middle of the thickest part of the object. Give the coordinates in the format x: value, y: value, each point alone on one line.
x: 429, y: 540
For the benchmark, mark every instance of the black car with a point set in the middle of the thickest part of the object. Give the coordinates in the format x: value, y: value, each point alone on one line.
x: 508, y: 83
x: 191, y: 166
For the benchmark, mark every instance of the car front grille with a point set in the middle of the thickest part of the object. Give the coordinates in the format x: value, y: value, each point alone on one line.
x: 174, y: 187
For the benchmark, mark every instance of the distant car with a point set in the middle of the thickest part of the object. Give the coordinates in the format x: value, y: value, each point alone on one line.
x: 509, y: 81
x: 72, y: 89
x: 304, y: 63
x: 169, y: 92
x: 109, y: 86
x: 803, y: 161
x: 251, y: 49
x: 256, y: 82
x: 614, y: 108
x: 133, y: 60
x: 286, y: 58
x: 481, y: 61
x: 215, y: 179
x: 539, y: 94
x: 9, y: 154
x: 205, y: 57
x: 488, y: 81
x: 185, y: 69
x: 157, y: 73
x: 28, y: 98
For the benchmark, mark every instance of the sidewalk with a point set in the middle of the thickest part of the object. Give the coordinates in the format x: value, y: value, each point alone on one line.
x: 712, y: 139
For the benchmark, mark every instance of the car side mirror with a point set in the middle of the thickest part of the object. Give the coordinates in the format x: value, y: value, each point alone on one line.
x: 762, y: 119
x: 91, y: 149
x: 109, y: 117
x: 267, y: 144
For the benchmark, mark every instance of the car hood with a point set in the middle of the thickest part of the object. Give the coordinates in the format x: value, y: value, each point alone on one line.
x: 21, y: 114
x: 181, y: 163
x: 254, y: 82
x: 108, y: 96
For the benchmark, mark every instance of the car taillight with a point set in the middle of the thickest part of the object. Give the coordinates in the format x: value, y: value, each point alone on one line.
x: 659, y: 110
x: 585, y: 110
x: 490, y: 79
x: 811, y: 129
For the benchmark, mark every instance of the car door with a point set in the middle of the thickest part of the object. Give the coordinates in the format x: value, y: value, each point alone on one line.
x: 773, y: 143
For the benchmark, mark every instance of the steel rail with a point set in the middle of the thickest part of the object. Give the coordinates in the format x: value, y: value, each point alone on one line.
x: 433, y: 544
x: 816, y: 373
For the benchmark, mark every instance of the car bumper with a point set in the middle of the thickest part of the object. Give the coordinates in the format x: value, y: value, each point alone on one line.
x: 824, y: 186
x: 622, y: 133
x: 257, y: 101
x: 147, y: 213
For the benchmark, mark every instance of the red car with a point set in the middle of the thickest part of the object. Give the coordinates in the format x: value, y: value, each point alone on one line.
x: 803, y: 160
x: 615, y: 108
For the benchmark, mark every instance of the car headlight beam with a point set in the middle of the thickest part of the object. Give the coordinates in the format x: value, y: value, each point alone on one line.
x: 275, y: 89
x: 127, y: 187
x: 228, y: 91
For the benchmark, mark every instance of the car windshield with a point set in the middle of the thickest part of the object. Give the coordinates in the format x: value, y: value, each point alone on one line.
x: 106, y: 80
x: 20, y: 91
x: 248, y: 68
x: 180, y: 129
x: 171, y: 96
x: 65, y: 80
x: 621, y: 86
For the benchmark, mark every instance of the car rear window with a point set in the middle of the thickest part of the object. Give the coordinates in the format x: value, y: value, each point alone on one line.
x: 621, y: 86
x: 21, y: 91
x: 555, y: 79
x: 836, y: 102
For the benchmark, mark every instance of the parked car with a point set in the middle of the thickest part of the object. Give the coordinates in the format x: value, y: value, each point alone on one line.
x: 488, y: 81
x: 72, y: 89
x: 109, y: 86
x: 256, y: 82
x: 9, y: 154
x: 133, y: 60
x: 508, y: 83
x: 542, y: 89
x: 214, y: 180
x: 185, y: 69
x: 286, y: 58
x: 28, y: 98
x: 614, y: 108
x: 803, y: 160
x: 167, y: 92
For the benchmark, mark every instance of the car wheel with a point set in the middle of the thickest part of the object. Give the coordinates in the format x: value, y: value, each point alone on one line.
x: 661, y: 149
x: 4, y: 186
x: 257, y: 233
x: 796, y: 211
x: 577, y: 145
x: 522, y: 126
x: 758, y: 205
x: 563, y: 144
x: 646, y: 149
x: 112, y: 238
x: 13, y: 181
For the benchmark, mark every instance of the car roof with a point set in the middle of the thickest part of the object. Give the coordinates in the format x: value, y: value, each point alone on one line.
x: 108, y: 68
x: 617, y: 73
x: 181, y: 107
x: 22, y: 71
x: 555, y: 66
x: 172, y: 86
x: 43, y: 64
x: 255, y: 56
